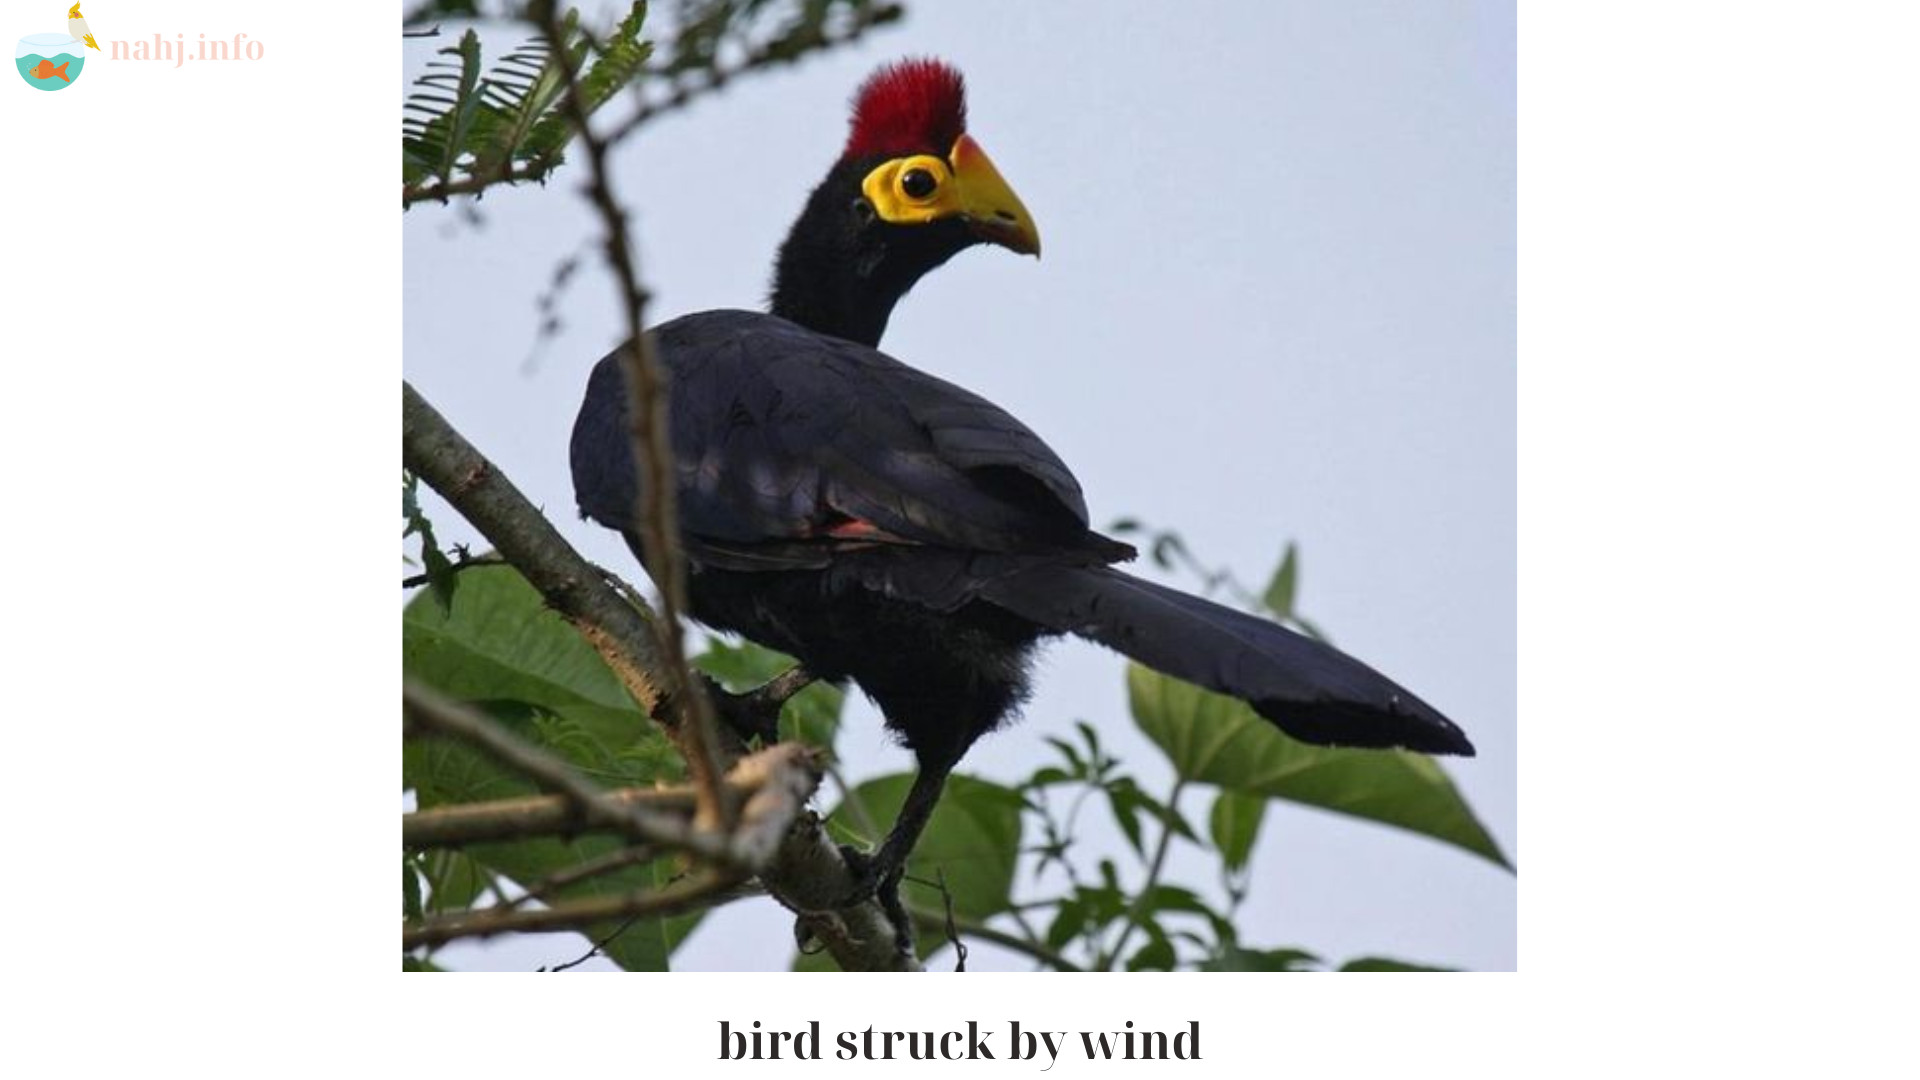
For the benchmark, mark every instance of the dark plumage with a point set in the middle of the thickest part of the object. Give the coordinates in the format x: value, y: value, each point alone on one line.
x: 884, y: 526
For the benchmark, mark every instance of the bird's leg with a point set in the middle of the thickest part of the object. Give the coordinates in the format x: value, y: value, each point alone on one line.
x: 756, y: 713
x: 878, y: 875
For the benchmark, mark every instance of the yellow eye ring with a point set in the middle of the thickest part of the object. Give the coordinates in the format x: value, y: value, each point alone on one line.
x: 912, y: 190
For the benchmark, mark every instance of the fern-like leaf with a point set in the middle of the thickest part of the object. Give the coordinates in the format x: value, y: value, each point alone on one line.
x: 619, y: 61
x: 433, y: 138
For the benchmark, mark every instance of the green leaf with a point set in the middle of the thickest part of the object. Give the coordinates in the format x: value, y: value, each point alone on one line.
x: 434, y: 138
x: 1280, y: 591
x: 418, y: 963
x: 1377, y: 963
x: 974, y: 837
x: 1263, y: 960
x: 1047, y: 776
x: 1126, y: 802
x: 499, y: 642
x: 500, y: 648
x: 1076, y: 765
x: 409, y: 889
x: 1235, y: 825
x: 454, y: 880
x: 1214, y: 739
x: 1157, y: 954
x: 441, y: 578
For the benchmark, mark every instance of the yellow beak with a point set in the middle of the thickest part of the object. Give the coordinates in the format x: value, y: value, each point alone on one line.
x: 987, y: 203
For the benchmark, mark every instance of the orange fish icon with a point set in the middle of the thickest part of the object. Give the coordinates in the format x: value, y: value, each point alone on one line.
x: 46, y: 70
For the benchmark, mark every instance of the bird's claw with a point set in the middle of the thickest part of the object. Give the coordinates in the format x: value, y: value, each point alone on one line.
x: 877, y: 878
x: 746, y: 714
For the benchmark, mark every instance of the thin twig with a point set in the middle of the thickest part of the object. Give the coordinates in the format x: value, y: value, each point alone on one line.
x: 617, y: 859
x: 1105, y: 960
x: 935, y: 920
x: 953, y: 933
x: 653, y: 449
x: 528, y: 816
x: 507, y: 172
x: 695, y: 892
x: 434, y: 711
x: 463, y: 562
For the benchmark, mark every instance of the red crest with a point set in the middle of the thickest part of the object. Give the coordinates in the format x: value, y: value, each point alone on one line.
x: 907, y: 107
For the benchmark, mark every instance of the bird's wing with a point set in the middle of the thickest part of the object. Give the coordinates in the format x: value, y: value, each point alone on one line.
x: 792, y: 440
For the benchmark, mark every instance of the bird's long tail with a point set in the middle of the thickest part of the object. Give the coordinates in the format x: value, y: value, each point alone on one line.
x: 1310, y: 690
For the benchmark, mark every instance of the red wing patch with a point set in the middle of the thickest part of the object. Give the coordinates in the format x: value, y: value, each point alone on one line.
x: 861, y: 530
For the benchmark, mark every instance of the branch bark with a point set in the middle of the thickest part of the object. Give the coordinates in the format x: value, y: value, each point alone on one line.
x: 655, y: 508
x: 585, y: 803
x: 555, y: 815
x: 807, y: 873
x: 701, y: 891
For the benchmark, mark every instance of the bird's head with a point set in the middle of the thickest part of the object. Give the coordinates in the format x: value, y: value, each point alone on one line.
x: 918, y: 165
x: 910, y: 190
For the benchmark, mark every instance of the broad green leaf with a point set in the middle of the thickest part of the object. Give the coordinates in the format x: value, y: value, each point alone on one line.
x: 454, y: 880
x: 1378, y: 963
x: 500, y: 648
x: 1217, y: 740
x: 1280, y: 591
x: 1235, y: 825
x: 445, y: 773
x: 974, y: 837
x: 500, y: 642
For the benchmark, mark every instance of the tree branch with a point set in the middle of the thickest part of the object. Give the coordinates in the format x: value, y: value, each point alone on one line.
x: 433, y: 711
x: 694, y: 892
x: 652, y: 450
x: 533, y: 815
x: 807, y: 873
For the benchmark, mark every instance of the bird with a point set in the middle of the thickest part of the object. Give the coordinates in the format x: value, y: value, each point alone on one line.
x: 77, y: 27
x: 886, y: 527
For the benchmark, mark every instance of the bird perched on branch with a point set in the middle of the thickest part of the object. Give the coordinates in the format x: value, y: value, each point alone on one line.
x: 77, y: 26
x: 884, y: 526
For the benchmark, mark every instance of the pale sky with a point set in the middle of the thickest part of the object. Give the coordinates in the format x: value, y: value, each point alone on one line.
x: 1277, y: 303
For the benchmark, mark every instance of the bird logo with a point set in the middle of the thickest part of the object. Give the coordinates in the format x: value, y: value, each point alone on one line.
x: 77, y: 28
x: 54, y: 61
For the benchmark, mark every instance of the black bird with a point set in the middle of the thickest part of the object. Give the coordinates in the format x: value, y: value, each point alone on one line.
x: 885, y: 526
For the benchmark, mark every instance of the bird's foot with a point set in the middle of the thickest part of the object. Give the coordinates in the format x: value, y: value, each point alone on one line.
x: 756, y: 713
x: 745, y: 714
x: 877, y: 878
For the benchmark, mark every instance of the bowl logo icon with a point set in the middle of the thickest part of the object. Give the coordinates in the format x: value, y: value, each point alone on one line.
x: 54, y: 61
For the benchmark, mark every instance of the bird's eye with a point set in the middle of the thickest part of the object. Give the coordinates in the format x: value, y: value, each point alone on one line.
x: 918, y: 183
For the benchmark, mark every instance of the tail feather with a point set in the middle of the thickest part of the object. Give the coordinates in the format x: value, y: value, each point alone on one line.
x: 1309, y: 689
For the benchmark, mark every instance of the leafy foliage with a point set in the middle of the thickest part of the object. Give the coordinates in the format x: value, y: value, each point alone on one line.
x: 441, y: 578
x: 497, y: 645
x: 1217, y: 740
x: 467, y: 128
x: 1011, y: 857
